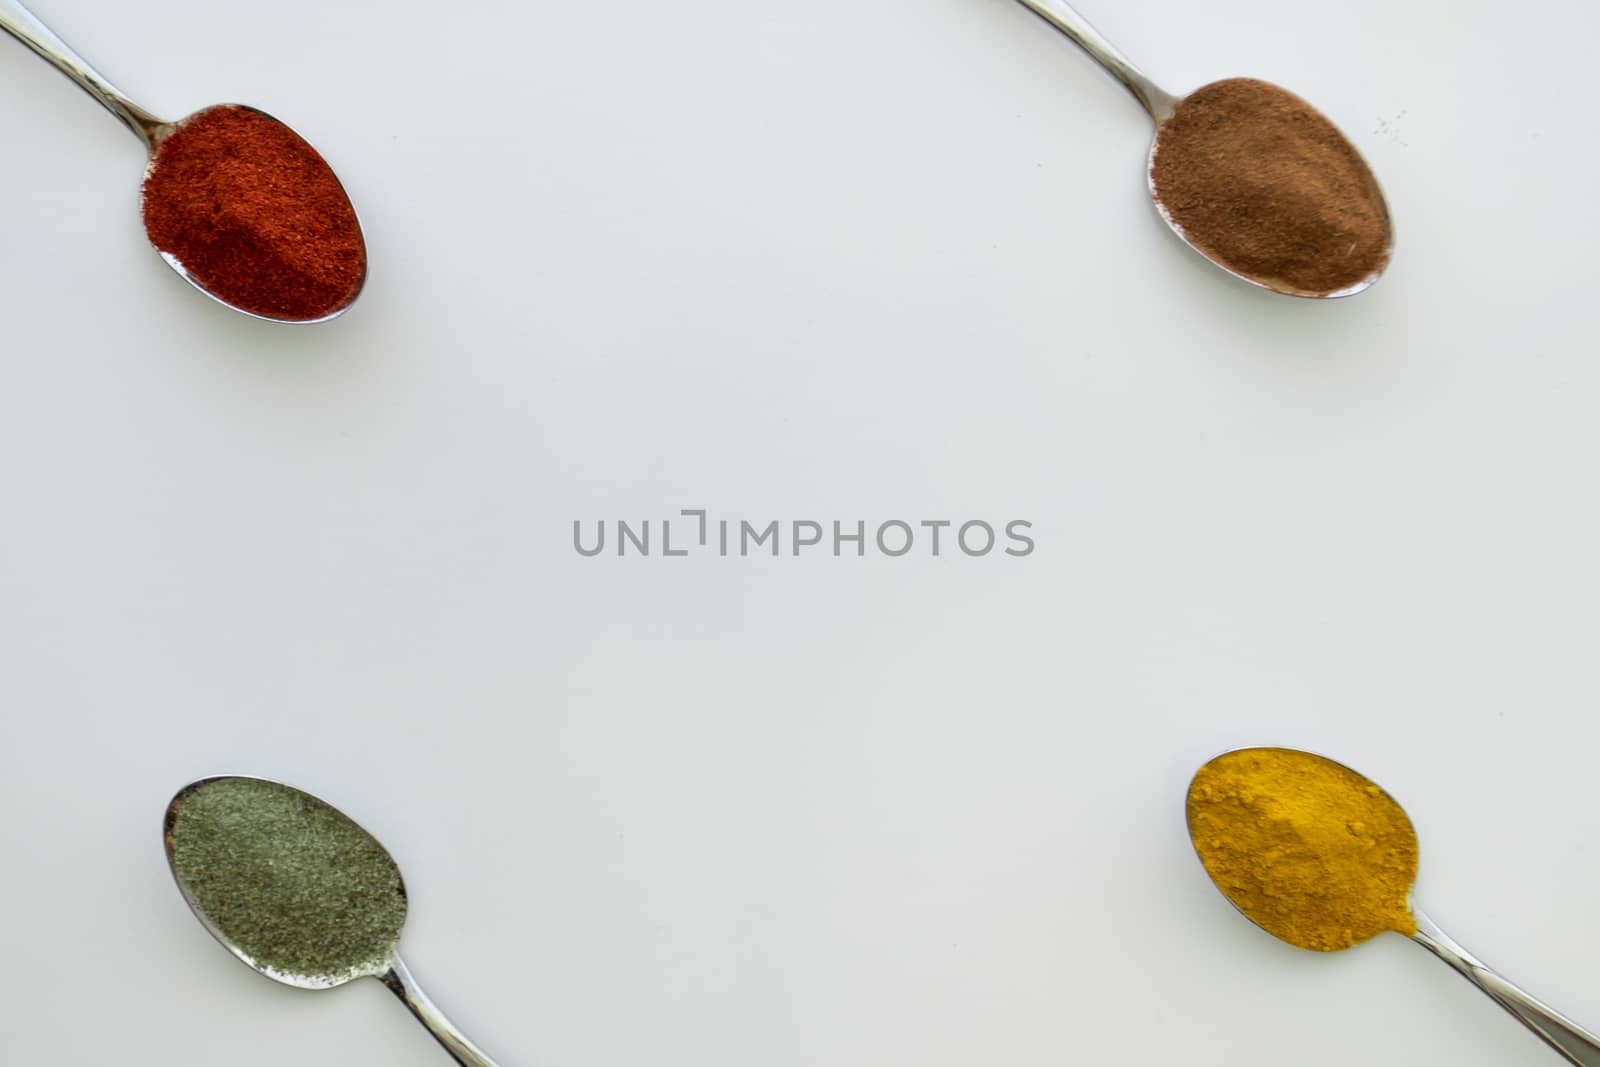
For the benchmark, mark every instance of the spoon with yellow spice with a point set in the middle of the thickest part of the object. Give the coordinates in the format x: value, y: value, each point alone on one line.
x: 1320, y: 857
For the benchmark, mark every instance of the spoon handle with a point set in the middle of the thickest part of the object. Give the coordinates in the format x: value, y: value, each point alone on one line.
x: 25, y: 26
x: 1159, y: 103
x: 462, y: 1050
x: 1574, y: 1043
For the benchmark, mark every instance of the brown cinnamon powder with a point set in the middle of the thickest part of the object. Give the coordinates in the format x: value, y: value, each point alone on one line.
x: 1259, y: 180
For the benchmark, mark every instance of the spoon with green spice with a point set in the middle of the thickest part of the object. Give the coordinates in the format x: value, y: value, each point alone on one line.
x: 298, y: 890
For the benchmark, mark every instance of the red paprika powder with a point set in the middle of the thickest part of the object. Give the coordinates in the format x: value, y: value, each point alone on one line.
x: 254, y: 215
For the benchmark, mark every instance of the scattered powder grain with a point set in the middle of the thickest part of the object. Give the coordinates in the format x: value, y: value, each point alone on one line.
x: 1261, y: 181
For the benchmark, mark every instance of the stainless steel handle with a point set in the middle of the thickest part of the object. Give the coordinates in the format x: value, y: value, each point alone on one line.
x: 25, y: 26
x: 1574, y: 1043
x: 1157, y: 101
x: 401, y: 984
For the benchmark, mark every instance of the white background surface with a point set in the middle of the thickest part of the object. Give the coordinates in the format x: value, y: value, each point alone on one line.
x: 832, y: 260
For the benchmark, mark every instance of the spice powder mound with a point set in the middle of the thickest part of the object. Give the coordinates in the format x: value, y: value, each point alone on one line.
x: 1308, y: 849
x: 1262, y: 182
x: 254, y: 215
x: 290, y: 880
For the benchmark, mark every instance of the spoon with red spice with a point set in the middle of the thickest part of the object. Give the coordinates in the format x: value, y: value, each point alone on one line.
x: 1253, y: 178
x: 236, y: 202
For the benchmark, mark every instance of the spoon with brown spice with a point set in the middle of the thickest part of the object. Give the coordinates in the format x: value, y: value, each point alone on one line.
x: 1320, y: 857
x: 1253, y: 178
x: 237, y: 203
x: 298, y: 891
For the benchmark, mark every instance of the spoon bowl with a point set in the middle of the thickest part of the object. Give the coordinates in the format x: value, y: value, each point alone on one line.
x: 322, y: 979
x: 1163, y: 107
x: 1306, y: 848
x: 320, y: 291
x: 220, y: 222
x: 323, y: 839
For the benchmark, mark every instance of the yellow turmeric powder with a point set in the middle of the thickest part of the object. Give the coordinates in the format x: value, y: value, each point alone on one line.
x: 1308, y: 849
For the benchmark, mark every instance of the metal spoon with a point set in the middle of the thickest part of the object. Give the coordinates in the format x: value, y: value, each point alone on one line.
x: 25, y: 26
x: 1161, y: 106
x: 391, y: 971
x: 1573, y: 1042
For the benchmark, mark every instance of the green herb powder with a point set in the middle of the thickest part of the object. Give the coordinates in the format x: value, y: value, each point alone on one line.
x: 291, y: 881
